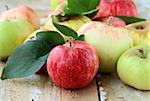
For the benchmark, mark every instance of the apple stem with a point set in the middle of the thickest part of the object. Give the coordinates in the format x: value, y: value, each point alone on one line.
x: 7, y: 8
x: 70, y: 41
x: 109, y: 21
x: 70, y: 44
x: 142, y: 52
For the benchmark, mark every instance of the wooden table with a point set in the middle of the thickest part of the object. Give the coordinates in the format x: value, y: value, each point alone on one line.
x: 40, y: 88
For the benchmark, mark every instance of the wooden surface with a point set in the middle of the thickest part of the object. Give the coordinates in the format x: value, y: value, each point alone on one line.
x: 117, y: 91
x: 40, y: 88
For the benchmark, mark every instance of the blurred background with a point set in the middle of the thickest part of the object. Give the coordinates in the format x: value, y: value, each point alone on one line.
x: 43, y: 7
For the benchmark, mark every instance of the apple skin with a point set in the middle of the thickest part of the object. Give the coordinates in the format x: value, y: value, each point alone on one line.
x: 113, y: 21
x: 109, y: 42
x: 74, y: 23
x: 12, y: 34
x: 73, y: 67
x: 116, y: 8
x: 33, y: 35
x: 22, y: 12
x: 133, y: 69
x: 56, y: 3
x: 140, y: 32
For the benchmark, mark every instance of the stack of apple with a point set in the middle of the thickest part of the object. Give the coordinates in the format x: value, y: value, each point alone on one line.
x: 108, y: 43
x: 114, y: 42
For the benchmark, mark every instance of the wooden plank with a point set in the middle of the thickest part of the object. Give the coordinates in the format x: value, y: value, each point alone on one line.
x: 59, y: 94
x: 40, y: 88
x: 118, y: 91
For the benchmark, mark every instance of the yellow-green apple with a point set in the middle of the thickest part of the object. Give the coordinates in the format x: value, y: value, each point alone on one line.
x: 33, y: 35
x: 110, y: 42
x: 56, y: 3
x: 140, y: 32
x: 116, y: 8
x: 74, y: 22
x: 72, y: 65
x: 13, y: 33
x: 133, y: 67
x: 22, y: 12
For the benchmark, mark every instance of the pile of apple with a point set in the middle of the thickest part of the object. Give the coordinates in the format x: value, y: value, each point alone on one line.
x: 109, y: 42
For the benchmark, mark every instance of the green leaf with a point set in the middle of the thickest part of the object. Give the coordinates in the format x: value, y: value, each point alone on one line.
x: 81, y: 38
x: 81, y: 7
x: 69, y: 12
x: 31, y: 56
x: 54, y: 38
x: 92, y: 13
x: 64, y: 29
x: 130, y: 20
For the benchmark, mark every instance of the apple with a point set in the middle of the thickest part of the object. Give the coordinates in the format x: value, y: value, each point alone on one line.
x: 62, y: 5
x: 13, y: 33
x: 113, y: 21
x: 140, y: 32
x: 72, y: 65
x: 22, y: 12
x: 116, y: 8
x: 74, y: 22
x: 33, y: 35
x: 110, y: 42
x: 133, y: 67
x: 56, y: 3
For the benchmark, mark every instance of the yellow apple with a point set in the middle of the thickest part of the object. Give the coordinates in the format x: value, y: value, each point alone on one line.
x: 74, y: 22
x: 140, y: 32
x: 33, y: 35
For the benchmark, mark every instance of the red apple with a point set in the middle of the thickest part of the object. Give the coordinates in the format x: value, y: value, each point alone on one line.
x: 72, y: 65
x: 116, y: 8
x: 113, y: 21
x: 22, y: 12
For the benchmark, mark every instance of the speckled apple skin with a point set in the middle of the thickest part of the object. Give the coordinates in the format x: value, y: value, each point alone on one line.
x: 73, y: 67
x: 116, y: 8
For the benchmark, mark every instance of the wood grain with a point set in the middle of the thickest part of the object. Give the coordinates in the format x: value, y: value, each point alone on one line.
x: 118, y: 91
x: 40, y: 88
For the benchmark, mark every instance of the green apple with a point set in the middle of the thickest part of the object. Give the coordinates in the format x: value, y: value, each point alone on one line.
x: 74, y: 22
x: 110, y: 42
x: 133, y: 67
x: 12, y: 34
x: 55, y: 3
x: 140, y: 32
